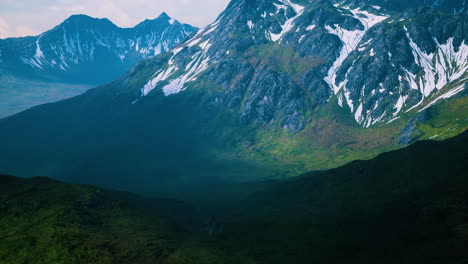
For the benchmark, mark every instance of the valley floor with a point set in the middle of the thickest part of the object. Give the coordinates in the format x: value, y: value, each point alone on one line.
x: 17, y: 95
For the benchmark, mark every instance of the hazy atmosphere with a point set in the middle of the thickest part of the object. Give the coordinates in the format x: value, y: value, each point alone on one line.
x: 20, y: 18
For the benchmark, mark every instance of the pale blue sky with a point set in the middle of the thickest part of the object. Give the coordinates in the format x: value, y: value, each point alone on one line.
x: 32, y: 17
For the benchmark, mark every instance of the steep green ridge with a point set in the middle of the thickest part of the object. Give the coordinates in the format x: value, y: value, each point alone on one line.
x: 405, y: 206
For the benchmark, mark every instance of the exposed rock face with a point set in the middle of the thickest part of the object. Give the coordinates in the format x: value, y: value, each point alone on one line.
x: 452, y: 6
x: 407, y: 135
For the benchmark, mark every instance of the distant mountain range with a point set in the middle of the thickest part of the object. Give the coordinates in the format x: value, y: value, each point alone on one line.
x: 82, y: 50
x: 272, y: 88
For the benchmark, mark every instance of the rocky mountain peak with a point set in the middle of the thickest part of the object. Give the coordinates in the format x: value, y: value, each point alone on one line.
x: 164, y: 16
x: 78, y: 22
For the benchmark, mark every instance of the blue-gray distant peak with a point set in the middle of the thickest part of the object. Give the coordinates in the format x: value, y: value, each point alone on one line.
x: 164, y: 15
x: 84, y: 49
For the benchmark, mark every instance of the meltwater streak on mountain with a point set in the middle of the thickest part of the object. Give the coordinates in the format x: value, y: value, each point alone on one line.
x: 76, y: 55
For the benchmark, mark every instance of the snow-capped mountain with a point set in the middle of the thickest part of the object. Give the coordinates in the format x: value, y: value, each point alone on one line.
x: 88, y: 50
x: 272, y: 87
x: 377, y: 62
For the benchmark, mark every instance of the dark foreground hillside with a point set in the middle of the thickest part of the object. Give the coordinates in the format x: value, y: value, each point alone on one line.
x: 45, y: 221
x: 406, y: 206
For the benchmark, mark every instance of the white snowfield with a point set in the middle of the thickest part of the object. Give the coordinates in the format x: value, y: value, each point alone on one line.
x: 198, y: 64
x: 445, y: 66
x: 351, y: 41
x: 289, y: 24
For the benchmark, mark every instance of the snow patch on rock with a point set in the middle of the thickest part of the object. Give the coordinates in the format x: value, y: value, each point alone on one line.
x: 289, y: 24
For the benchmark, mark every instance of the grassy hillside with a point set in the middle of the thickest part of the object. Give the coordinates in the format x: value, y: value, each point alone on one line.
x: 44, y: 221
